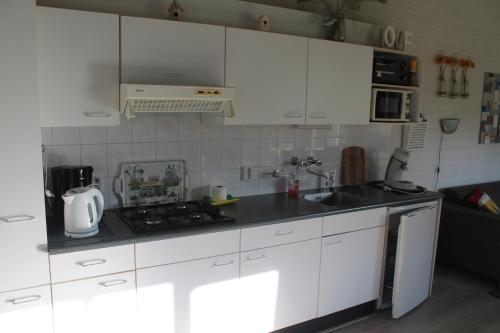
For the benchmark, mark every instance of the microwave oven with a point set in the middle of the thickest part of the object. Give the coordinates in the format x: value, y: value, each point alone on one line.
x: 390, y: 105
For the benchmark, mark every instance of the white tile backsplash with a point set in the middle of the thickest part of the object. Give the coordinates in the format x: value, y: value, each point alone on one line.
x: 228, y: 178
x: 65, y: 155
x: 65, y: 136
x: 92, y: 135
x: 211, y: 127
x: 302, y: 147
x: 167, y: 150
x: 268, y: 152
x: 214, y: 153
x: 120, y: 134
x: 144, y: 151
x: 144, y: 129
x: 250, y: 132
x: 97, y: 157
x: 250, y: 187
x: 231, y: 132
x: 250, y: 153
x: 231, y: 154
x: 268, y: 132
x: 167, y: 127
x: 285, y: 132
x: 190, y: 152
x: 285, y: 151
x: 118, y: 153
x: 189, y: 127
x: 211, y: 155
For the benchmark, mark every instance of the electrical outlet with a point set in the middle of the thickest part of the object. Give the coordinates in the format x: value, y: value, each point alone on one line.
x: 247, y: 173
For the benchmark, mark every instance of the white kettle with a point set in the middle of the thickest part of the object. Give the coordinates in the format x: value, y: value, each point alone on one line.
x: 83, y: 209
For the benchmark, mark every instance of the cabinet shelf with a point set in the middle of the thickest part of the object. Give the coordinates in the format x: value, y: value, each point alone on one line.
x: 395, y: 86
x: 385, y: 50
x: 408, y: 123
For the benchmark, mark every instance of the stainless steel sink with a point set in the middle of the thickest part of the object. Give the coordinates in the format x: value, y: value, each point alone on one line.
x: 335, y: 199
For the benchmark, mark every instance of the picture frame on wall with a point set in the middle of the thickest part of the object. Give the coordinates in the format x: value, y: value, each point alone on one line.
x: 489, y: 131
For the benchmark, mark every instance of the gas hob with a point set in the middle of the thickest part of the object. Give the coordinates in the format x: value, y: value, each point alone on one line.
x: 171, y: 216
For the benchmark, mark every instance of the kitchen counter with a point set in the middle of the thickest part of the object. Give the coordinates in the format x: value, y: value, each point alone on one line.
x: 248, y: 212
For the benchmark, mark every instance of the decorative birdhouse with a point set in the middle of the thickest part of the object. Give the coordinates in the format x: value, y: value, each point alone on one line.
x: 175, y: 11
x: 263, y: 24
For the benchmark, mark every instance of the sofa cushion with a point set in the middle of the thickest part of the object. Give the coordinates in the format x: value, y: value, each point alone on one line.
x: 459, y: 194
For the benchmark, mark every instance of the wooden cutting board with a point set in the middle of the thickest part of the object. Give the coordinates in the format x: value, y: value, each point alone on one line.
x: 353, y: 166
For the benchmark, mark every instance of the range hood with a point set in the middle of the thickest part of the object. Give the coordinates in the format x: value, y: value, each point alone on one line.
x: 142, y: 98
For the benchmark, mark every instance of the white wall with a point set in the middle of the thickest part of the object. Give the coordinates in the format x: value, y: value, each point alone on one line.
x: 456, y: 27
x: 462, y: 28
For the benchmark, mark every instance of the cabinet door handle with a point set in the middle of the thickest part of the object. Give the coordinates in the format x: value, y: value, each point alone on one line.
x: 25, y: 299
x: 262, y: 256
x: 317, y: 116
x: 97, y: 114
x: 227, y: 263
x: 113, y: 283
x: 139, y: 90
x: 92, y: 262
x: 283, y: 233
x: 333, y: 242
x: 293, y: 115
x: 17, y: 218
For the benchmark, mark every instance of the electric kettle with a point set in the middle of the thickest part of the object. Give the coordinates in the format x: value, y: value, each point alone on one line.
x: 83, y: 209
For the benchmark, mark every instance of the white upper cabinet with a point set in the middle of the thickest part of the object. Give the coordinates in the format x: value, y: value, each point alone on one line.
x: 167, y: 52
x: 23, y: 239
x: 268, y: 72
x: 338, y: 83
x: 78, y: 68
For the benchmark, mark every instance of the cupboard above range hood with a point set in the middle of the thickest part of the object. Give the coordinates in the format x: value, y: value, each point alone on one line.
x: 142, y: 98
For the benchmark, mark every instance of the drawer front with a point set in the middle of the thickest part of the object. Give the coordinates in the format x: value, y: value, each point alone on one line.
x: 83, y: 264
x: 26, y: 310
x: 281, y: 233
x: 341, y: 223
x: 186, y: 248
x: 99, y: 304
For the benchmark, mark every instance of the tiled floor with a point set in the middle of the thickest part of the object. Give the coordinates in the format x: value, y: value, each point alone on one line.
x: 460, y: 303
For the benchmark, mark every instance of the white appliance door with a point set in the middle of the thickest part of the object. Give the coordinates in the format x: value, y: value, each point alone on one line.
x: 414, y: 259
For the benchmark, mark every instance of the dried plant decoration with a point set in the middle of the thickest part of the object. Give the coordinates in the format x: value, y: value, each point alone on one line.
x: 465, y: 64
x: 453, y: 62
x: 442, y: 61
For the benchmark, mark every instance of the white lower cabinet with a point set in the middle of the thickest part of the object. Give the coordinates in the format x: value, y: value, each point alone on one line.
x: 199, y: 296
x: 99, y: 305
x: 279, y: 286
x: 26, y: 310
x: 351, y: 268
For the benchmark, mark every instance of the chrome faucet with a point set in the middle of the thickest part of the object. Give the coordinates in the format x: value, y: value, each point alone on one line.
x: 328, y: 176
x: 306, y: 162
x: 309, y: 161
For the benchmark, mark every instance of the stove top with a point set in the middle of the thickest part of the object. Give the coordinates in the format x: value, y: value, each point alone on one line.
x: 171, y: 216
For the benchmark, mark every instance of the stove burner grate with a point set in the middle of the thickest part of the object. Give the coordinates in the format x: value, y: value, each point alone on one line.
x: 171, y: 216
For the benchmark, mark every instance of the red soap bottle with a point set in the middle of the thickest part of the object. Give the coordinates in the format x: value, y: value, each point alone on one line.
x: 293, y: 186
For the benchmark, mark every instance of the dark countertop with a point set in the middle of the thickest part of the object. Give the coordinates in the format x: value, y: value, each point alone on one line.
x: 248, y: 212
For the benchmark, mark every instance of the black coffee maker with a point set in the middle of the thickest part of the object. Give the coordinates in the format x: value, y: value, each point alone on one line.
x: 65, y: 178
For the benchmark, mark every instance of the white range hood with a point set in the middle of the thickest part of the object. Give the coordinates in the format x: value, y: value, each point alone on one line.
x: 141, y: 98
